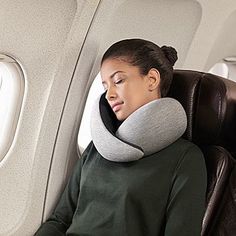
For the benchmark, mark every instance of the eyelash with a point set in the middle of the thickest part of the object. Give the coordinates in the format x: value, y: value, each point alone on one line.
x: 119, y: 81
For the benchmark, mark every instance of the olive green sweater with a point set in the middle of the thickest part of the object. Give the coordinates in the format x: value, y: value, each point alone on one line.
x: 159, y: 195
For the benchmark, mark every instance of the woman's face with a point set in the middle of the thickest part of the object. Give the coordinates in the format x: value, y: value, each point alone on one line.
x: 128, y: 90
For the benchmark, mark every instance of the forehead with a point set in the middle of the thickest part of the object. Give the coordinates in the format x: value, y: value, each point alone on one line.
x: 111, y: 66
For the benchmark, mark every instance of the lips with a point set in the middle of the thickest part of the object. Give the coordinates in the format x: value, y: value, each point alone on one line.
x: 116, y: 106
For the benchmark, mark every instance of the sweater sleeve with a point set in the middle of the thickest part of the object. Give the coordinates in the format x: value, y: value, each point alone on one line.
x: 186, y: 205
x: 61, y: 219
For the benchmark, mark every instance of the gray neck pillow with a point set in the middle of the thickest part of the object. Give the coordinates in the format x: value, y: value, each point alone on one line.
x: 149, y: 129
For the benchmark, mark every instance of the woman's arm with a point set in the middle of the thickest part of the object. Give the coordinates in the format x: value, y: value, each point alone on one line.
x: 187, y: 198
x: 61, y: 219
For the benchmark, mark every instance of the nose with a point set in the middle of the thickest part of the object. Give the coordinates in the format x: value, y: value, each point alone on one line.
x: 111, y: 93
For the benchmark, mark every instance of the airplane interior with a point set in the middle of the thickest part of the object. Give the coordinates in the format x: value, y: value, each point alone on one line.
x: 50, y: 53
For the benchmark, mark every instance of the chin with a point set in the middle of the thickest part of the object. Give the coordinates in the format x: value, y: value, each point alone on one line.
x: 121, y: 117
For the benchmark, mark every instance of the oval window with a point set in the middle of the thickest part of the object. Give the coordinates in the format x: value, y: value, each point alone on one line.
x: 12, y: 86
x: 225, y: 68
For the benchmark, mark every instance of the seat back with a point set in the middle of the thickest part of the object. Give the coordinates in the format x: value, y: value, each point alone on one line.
x: 210, y: 105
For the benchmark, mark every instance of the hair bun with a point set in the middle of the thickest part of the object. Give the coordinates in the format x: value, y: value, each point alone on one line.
x: 170, y: 53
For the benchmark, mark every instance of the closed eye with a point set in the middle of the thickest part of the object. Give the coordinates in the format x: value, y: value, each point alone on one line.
x: 119, y: 81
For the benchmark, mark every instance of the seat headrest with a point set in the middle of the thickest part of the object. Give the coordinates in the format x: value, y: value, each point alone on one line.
x: 210, y: 105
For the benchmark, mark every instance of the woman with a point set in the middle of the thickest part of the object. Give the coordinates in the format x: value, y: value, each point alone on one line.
x: 137, y: 177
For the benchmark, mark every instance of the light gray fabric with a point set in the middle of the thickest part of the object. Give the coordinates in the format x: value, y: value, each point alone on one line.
x: 155, y: 125
x: 149, y: 129
x: 109, y: 146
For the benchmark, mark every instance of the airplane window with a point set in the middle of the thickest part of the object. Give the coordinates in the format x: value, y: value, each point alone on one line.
x: 84, y: 136
x: 11, y: 97
x: 225, y: 68
x: 220, y: 69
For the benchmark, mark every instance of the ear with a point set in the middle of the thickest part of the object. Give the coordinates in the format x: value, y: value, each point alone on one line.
x: 153, y: 79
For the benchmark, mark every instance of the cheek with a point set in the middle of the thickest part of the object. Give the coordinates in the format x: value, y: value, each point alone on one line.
x: 133, y: 95
x: 134, y: 102
x: 129, y: 96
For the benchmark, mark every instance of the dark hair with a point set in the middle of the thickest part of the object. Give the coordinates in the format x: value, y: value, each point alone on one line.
x: 146, y: 55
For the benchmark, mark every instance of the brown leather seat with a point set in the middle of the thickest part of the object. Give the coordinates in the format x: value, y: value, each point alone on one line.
x: 210, y: 104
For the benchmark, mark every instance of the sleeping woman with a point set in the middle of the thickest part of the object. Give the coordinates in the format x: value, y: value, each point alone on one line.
x: 137, y: 177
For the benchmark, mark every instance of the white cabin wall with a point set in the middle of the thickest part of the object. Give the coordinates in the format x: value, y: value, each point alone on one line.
x: 214, y: 38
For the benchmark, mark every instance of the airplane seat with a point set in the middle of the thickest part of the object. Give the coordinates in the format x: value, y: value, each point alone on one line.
x: 210, y: 105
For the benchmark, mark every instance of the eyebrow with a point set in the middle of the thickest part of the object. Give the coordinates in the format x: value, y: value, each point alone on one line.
x: 119, y: 71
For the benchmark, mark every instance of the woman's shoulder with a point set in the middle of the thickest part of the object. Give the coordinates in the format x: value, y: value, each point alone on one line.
x: 189, y: 154
x: 181, y: 152
x: 90, y: 149
x: 184, y: 146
